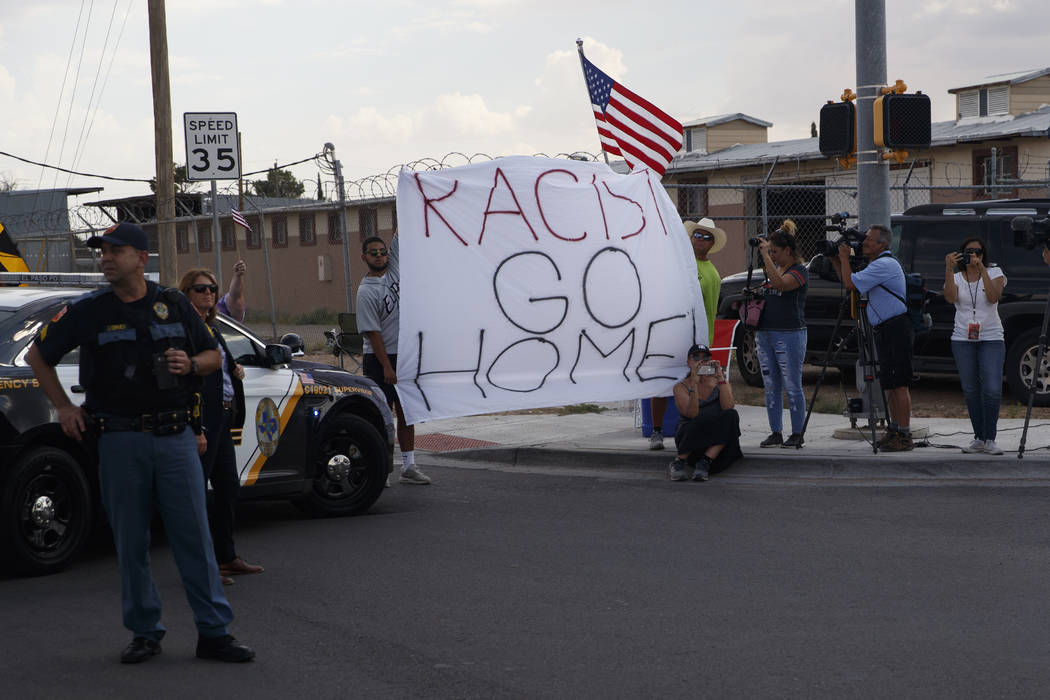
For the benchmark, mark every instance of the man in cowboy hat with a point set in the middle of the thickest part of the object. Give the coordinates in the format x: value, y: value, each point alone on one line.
x: 707, y: 239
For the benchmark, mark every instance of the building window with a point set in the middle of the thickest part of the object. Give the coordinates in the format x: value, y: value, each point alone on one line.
x: 993, y: 172
x: 696, y: 140
x: 366, y: 218
x: 279, y: 231
x: 203, y: 235
x: 253, y: 239
x: 182, y: 238
x: 692, y: 200
x: 333, y: 228
x: 229, y: 241
x: 985, y: 101
x: 306, y: 230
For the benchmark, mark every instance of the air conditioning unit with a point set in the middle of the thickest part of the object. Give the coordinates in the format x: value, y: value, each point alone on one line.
x: 324, y: 268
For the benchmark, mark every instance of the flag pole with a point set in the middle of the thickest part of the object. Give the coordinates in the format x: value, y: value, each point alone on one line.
x: 579, y: 48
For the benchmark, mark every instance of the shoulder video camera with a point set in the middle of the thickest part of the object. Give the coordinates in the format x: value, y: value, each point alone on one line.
x: 1030, y: 232
x: 847, y: 235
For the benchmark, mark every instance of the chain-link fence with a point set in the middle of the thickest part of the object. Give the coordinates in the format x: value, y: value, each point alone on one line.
x: 748, y: 210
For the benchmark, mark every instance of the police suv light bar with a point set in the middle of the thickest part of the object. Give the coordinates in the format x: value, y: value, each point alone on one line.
x: 54, y: 279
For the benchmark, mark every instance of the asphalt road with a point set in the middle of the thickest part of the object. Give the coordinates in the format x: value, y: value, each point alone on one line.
x: 551, y: 583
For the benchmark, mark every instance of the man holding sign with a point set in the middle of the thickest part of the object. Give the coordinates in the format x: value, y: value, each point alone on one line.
x: 378, y: 302
x: 535, y: 282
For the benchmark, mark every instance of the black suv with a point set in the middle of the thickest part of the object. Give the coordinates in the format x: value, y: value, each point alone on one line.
x: 923, y: 235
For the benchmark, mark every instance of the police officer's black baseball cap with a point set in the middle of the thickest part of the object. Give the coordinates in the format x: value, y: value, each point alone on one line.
x: 121, y: 234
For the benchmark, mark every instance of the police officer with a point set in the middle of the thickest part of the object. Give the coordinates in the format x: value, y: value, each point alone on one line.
x: 142, y: 351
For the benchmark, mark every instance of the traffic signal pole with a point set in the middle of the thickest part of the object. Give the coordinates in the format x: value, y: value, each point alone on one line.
x: 873, y: 173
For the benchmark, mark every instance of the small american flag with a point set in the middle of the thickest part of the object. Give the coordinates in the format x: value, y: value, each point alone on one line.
x: 630, y: 126
x: 238, y: 218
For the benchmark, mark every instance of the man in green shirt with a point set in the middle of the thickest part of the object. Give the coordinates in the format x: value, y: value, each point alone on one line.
x: 707, y: 239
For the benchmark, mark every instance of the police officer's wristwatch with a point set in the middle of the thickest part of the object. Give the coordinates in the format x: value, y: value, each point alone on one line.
x: 193, y: 366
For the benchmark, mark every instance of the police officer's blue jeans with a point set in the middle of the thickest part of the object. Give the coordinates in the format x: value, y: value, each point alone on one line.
x: 135, y: 468
x: 780, y: 353
x: 980, y: 365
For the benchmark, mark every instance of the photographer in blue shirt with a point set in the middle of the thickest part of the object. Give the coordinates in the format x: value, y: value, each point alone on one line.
x: 883, y: 281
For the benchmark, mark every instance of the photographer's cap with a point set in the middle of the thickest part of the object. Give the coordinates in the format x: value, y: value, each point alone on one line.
x: 697, y: 350
x: 121, y: 234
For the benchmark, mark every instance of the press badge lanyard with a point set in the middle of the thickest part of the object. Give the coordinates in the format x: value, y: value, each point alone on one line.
x: 974, y: 330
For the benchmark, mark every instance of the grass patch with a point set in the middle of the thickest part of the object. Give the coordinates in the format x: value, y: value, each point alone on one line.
x: 580, y: 408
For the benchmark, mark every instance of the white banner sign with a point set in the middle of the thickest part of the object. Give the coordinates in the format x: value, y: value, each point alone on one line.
x: 529, y: 282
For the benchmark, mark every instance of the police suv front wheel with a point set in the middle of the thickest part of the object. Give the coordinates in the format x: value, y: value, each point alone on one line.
x: 46, y: 512
x: 350, y: 471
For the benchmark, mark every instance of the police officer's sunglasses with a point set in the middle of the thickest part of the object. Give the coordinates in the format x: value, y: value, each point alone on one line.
x: 377, y: 252
x: 202, y: 288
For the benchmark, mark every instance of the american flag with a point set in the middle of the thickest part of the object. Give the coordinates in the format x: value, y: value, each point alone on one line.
x: 630, y: 126
x: 238, y: 218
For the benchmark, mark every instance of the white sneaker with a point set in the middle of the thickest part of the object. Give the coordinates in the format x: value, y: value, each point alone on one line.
x: 413, y: 476
x: 656, y: 440
x: 991, y: 448
x: 974, y: 447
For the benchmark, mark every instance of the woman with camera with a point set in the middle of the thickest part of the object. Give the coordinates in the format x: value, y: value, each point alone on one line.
x: 781, y: 336
x: 708, y: 430
x: 975, y: 286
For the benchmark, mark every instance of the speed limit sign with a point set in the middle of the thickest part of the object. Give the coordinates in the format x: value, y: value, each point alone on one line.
x: 211, y: 146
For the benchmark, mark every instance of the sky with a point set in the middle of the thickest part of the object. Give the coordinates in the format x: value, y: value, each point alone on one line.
x: 396, y: 81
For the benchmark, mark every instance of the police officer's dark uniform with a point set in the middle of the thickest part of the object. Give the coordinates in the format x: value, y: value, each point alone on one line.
x: 147, y: 450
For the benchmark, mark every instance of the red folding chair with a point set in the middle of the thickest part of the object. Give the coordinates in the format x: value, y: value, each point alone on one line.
x: 722, y: 344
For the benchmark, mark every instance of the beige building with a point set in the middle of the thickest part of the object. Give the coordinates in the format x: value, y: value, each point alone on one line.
x: 996, y: 147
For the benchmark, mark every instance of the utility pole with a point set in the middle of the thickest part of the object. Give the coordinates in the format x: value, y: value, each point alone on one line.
x: 873, y: 173
x: 337, y: 167
x: 158, y: 43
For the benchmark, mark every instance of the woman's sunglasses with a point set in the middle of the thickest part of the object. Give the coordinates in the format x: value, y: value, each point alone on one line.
x: 974, y: 251
x: 202, y: 288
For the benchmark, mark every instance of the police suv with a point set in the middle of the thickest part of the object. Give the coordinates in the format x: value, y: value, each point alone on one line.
x: 313, y: 433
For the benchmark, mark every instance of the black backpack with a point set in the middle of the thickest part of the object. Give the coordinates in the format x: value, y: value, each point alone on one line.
x: 915, y: 300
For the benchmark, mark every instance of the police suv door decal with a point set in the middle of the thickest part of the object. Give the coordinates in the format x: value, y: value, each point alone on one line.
x: 268, y: 415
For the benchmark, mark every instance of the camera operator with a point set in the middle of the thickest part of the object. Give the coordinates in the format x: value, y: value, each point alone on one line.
x: 883, y: 281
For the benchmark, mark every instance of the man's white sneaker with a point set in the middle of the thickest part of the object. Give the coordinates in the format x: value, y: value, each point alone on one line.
x: 974, y: 447
x: 656, y: 440
x: 413, y: 476
x: 991, y: 448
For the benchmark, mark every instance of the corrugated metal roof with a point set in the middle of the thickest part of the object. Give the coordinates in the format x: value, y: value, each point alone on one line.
x: 1033, y: 124
x: 724, y: 118
x: 1005, y: 78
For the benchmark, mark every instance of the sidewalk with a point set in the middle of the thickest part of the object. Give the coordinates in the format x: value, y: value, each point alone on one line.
x: 609, y: 440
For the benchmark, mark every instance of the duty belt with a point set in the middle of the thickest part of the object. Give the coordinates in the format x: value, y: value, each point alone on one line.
x: 158, y: 423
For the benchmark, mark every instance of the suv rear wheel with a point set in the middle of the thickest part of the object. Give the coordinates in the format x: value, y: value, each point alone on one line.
x: 1020, y: 369
x: 747, y: 356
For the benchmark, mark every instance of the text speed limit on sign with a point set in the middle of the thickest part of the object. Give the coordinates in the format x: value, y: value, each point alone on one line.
x: 211, y: 146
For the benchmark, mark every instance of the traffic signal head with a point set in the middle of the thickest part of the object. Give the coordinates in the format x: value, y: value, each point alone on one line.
x: 838, y: 129
x: 902, y: 121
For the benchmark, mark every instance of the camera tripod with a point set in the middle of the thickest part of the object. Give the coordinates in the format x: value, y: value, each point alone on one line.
x: 1036, y: 376
x: 866, y: 352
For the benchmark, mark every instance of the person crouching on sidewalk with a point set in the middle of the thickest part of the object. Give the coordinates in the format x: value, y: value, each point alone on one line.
x: 708, y: 432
